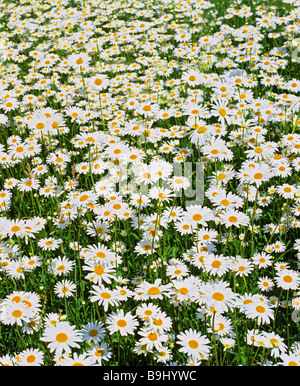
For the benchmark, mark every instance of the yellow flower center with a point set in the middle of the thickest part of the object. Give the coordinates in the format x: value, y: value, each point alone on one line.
x: 218, y: 296
x: 154, y: 291
x: 193, y: 344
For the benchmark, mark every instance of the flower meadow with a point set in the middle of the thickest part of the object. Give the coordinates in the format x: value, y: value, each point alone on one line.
x: 150, y: 190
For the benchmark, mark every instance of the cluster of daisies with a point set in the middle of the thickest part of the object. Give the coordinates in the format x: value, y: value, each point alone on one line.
x: 150, y: 193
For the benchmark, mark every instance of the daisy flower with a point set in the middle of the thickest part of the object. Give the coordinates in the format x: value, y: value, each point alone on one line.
x: 177, y: 183
x: 49, y: 244
x: 287, y: 279
x: 220, y: 109
x: 100, y: 352
x: 78, y: 360
x: 7, y: 360
x: 92, y: 332
x: 104, y: 296
x: 255, y: 174
x: 124, y: 323
x: 164, y: 355
x: 234, y: 218
x: 265, y: 284
x: 160, y: 322
x: 16, y: 313
x: 217, y: 294
x: 12, y: 227
x: 192, y: 77
x: 152, y: 340
x: 98, y: 82
x: 277, y: 342
x: 279, y: 247
x: 217, y: 265
x: 261, y: 311
x: 153, y: 291
x: 16, y: 269
x: 161, y: 194
x: 61, y: 266
x: 100, y: 253
x: 147, y: 310
x: 99, y: 271
x: 61, y: 337
x: 262, y: 259
x: 51, y: 319
x: 198, y: 215
x: 10, y: 104
x: 241, y: 267
x: 227, y: 343
x: 78, y: 61
x: 31, y: 357
x: 286, y: 191
x: 124, y: 292
x: 193, y: 343
x: 216, y: 149
x: 177, y: 270
x: 221, y: 326
x: 195, y: 111
x: 290, y: 359
x: 65, y: 289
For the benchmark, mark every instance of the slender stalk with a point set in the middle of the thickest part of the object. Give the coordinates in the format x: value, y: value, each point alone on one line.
x: 23, y: 344
x: 214, y: 339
